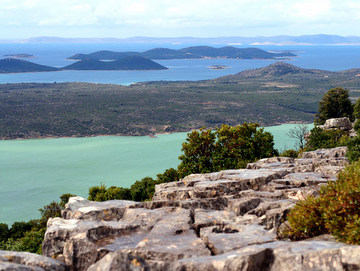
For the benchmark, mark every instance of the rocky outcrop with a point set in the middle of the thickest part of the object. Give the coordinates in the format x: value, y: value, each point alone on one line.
x: 218, y: 221
x: 24, y: 261
x: 338, y: 123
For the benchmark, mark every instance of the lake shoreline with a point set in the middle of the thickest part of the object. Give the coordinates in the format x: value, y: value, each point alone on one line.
x: 152, y: 135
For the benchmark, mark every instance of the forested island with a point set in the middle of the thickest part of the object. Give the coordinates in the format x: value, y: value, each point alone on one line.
x: 13, y: 65
x: 194, y: 52
x: 278, y: 93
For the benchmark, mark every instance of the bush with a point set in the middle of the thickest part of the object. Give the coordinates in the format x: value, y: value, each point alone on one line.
x: 28, y: 236
x: 320, y: 138
x: 305, y: 220
x: 290, y: 153
x: 357, y: 124
x: 336, y: 211
x: 353, y: 153
x: 226, y: 148
x: 334, y: 104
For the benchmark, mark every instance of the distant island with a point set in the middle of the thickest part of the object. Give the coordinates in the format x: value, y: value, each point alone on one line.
x: 125, y: 63
x: 13, y: 65
x: 218, y: 67
x: 23, y: 56
x: 194, y: 52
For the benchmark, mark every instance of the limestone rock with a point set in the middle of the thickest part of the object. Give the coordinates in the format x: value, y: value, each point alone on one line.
x: 13, y: 260
x: 224, y: 220
x: 338, y: 123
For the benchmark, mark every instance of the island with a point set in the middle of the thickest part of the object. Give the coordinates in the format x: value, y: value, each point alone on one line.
x: 125, y: 63
x: 20, y: 56
x: 13, y: 65
x: 218, y: 67
x: 194, y: 52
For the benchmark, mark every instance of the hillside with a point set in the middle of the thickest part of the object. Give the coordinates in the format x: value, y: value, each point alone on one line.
x: 125, y: 63
x: 195, y: 52
x: 275, y: 70
x: 13, y: 65
x: 278, y: 93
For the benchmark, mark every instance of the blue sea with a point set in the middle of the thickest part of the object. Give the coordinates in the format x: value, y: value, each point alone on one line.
x: 333, y: 58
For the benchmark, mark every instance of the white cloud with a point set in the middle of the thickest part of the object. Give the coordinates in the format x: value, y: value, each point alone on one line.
x: 265, y: 16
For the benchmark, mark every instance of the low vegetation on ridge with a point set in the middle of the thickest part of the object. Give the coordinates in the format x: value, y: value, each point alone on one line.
x: 278, y: 93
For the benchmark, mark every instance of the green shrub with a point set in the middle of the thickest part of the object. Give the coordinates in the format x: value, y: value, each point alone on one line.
x: 290, y: 153
x: 305, y: 220
x: 336, y: 210
x: 334, y: 104
x: 353, y: 153
x: 320, y: 138
x: 341, y: 209
x: 357, y: 123
x: 143, y: 190
x: 228, y: 147
x: 28, y: 236
x: 170, y: 175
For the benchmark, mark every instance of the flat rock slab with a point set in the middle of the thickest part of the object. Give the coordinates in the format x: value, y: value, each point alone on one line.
x: 13, y: 260
x: 224, y: 220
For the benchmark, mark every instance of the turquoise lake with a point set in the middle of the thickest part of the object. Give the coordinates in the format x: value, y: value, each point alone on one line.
x: 35, y: 172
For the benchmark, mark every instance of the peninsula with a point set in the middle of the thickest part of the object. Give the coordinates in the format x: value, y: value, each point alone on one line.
x: 278, y: 93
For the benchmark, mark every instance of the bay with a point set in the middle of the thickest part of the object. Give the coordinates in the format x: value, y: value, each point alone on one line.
x: 34, y: 172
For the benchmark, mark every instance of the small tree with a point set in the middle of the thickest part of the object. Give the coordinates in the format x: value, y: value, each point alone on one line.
x: 334, y: 104
x: 299, y: 133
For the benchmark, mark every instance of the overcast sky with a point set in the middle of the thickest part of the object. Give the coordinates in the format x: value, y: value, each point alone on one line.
x: 174, y: 18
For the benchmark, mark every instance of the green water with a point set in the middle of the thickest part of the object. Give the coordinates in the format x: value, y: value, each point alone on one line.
x: 37, y: 171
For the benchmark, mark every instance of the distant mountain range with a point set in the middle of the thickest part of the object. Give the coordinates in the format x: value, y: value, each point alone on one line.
x: 13, y: 65
x: 281, y: 40
x: 195, y: 52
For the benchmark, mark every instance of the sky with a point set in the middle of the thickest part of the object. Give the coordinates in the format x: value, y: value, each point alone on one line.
x: 177, y: 18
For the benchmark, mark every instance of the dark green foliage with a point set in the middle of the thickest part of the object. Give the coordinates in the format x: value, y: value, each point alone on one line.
x: 97, y: 193
x: 170, y: 175
x: 198, y: 152
x: 4, y: 232
x: 143, y: 190
x: 305, y: 220
x: 334, y: 104
x: 115, y: 192
x: 336, y: 211
x: 139, y: 191
x: 289, y: 153
x: 357, y: 109
x: 226, y: 148
x: 353, y: 153
x: 357, y: 124
x: 28, y: 236
x: 320, y: 138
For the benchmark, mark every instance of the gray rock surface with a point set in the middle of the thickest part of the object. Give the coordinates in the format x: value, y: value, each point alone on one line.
x: 13, y: 260
x: 338, y: 123
x: 218, y: 221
